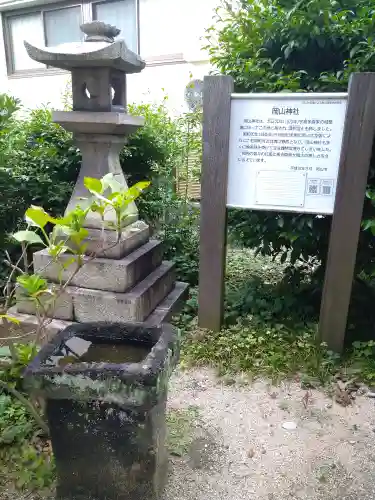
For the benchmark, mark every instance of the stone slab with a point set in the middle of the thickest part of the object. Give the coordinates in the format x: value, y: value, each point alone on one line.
x: 100, y: 273
x: 59, y: 308
x: 28, y: 325
x: 170, y: 306
x: 132, y: 237
x: 136, y: 305
x: 161, y: 314
x: 98, y: 122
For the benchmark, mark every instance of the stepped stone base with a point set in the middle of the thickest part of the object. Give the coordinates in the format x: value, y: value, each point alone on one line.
x: 130, y: 284
x: 163, y: 312
x: 87, y: 304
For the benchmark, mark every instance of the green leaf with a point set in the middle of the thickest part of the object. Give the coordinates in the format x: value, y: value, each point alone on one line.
x: 37, y: 216
x: 28, y: 237
x: 140, y: 186
x: 103, y: 198
x: 78, y: 236
x: 109, y: 181
x: 32, y: 283
x: 56, y: 250
x: 100, y: 209
x: 93, y: 185
x: 9, y: 318
x: 5, y: 351
x: 367, y: 224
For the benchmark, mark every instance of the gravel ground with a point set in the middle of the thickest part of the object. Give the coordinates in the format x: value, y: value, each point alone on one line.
x: 240, y: 450
x: 237, y: 448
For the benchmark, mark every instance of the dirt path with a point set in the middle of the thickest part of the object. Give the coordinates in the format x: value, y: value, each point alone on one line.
x: 237, y: 449
x: 229, y: 443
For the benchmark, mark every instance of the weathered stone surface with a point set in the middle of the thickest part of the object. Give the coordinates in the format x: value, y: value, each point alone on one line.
x: 170, y: 306
x: 161, y: 314
x: 60, y: 307
x: 98, y: 89
x: 102, y: 274
x: 100, y: 156
x: 99, y: 122
x: 133, y: 236
x: 89, y: 54
x: 135, y: 305
x: 28, y: 325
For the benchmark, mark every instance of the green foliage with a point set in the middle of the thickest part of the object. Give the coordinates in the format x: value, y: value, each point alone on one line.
x: 269, y: 328
x: 38, y: 165
x: 310, y: 45
x: 172, y: 142
x: 28, y: 467
x: 362, y: 360
x: 180, y: 235
x: 21, y: 458
x: 15, y: 423
x: 180, y: 429
x: 14, y: 361
x: 284, y: 46
x: 252, y: 346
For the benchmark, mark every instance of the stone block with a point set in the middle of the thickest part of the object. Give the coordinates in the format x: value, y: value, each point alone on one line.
x: 60, y: 307
x: 170, y: 306
x: 132, y: 237
x: 98, y: 122
x: 103, y: 243
x: 28, y: 326
x: 100, y: 273
x: 135, y: 305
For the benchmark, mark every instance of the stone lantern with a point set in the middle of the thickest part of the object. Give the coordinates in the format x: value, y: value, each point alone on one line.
x: 130, y: 282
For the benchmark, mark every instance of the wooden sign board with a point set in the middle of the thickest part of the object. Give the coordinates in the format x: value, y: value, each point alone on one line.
x: 284, y: 151
x: 305, y: 153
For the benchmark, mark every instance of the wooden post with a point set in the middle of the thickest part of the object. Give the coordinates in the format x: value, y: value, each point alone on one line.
x: 217, y: 92
x: 350, y: 193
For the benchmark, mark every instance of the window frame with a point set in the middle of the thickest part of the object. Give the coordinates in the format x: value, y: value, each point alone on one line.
x: 87, y: 11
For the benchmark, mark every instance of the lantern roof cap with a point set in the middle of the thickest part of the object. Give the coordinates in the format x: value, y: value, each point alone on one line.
x: 99, y: 49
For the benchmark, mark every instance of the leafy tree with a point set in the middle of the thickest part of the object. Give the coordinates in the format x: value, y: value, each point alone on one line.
x: 308, y: 46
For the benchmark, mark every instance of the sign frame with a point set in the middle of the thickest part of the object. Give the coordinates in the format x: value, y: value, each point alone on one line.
x: 247, y: 154
x: 355, y: 157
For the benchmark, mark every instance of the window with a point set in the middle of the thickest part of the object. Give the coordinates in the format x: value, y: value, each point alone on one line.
x: 123, y: 15
x: 60, y: 23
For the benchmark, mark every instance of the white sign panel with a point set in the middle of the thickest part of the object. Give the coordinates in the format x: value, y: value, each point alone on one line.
x: 284, y: 151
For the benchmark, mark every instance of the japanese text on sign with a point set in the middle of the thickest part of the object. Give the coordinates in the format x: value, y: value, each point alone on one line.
x: 284, y: 152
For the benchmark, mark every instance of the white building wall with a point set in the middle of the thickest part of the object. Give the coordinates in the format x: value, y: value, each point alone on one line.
x: 170, y: 41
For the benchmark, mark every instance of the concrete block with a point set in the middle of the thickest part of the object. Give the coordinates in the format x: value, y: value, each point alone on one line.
x: 100, y: 273
x: 135, y: 305
x: 60, y: 307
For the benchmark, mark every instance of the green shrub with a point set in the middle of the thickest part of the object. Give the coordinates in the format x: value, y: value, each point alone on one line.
x: 282, y: 45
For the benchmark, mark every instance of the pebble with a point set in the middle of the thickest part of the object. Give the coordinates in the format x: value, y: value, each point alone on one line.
x: 289, y: 426
x: 370, y: 394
